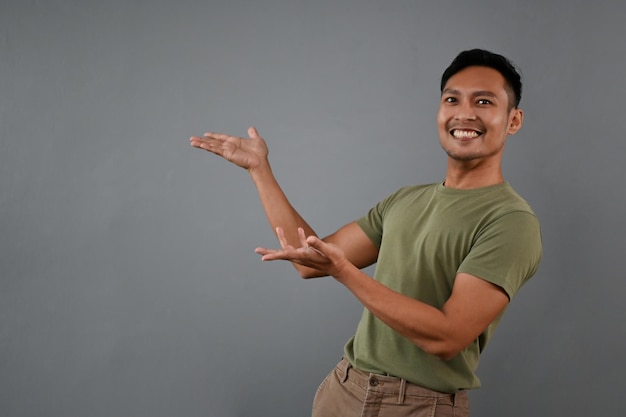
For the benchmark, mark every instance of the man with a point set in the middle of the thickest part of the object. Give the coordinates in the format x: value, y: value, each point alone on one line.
x: 450, y: 256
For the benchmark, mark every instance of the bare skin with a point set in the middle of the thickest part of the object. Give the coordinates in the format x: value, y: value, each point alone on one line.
x: 474, y: 121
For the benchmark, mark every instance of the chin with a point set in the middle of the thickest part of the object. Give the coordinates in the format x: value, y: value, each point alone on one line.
x: 463, y: 157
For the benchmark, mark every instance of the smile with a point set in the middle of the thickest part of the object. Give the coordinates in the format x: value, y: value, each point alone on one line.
x: 465, y: 133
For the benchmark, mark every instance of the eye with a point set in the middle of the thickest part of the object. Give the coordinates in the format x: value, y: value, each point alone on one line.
x: 484, y: 101
x: 450, y: 99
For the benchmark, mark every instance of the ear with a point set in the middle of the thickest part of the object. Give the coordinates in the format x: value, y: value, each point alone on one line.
x: 515, y: 121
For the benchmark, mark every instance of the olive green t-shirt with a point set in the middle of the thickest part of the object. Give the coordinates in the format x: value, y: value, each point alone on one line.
x: 426, y: 235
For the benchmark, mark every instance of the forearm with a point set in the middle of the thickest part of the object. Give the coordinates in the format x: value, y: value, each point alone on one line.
x: 278, y: 209
x: 424, y: 325
x: 280, y: 212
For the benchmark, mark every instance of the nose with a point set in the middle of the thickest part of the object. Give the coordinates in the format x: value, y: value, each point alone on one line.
x: 465, y: 111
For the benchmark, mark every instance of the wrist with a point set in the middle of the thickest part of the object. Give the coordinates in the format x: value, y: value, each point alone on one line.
x: 260, y: 171
x: 344, y: 272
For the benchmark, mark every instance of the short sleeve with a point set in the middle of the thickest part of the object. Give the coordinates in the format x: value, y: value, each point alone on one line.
x: 506, y: 252
x: 372, y: 223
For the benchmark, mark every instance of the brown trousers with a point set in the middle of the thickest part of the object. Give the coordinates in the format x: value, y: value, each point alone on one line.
x: 348, y: 392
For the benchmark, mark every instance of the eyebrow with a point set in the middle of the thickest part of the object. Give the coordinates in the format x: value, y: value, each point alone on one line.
x: 479, y: 93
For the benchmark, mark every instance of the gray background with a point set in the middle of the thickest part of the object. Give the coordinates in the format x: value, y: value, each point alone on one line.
x: 128, y: 281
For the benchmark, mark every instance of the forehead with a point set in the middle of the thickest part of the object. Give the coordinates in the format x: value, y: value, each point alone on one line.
x: 477, y: 78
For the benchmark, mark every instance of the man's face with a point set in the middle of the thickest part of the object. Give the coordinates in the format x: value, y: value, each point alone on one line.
x: 474, y: 117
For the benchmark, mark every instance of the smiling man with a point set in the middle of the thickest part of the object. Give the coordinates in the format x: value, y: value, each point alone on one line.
x: 450, y: 256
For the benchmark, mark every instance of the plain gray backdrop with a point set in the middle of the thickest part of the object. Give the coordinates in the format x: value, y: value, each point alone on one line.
x: 129, y: 285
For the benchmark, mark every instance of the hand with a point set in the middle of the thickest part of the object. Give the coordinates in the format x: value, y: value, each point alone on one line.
x: 245, y: 153
x: 312, y: 253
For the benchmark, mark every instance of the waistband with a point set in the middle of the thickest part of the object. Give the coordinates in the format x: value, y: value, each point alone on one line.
x: 392, y: 385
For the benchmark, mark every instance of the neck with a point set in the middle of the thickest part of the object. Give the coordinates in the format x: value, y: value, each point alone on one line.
x: 468, y: 174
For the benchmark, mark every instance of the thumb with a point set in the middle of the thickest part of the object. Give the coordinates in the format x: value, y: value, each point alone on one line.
x: 316, y: 243
x: 253, y: 133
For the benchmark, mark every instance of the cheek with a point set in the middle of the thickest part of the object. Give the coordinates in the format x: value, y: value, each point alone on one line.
x: 496, y: 120
x: 442, y: 119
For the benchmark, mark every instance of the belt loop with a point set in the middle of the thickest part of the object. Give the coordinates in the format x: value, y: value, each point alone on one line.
x: 453, y: 400
x: 402, y: 391
x: 345, y: 372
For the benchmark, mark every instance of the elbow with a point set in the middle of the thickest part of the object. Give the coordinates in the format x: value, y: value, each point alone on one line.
x: 444, y: 354
x: 449, y: 355
x: 306, y: 273
x: 445, y: 350
x: 445, y: 342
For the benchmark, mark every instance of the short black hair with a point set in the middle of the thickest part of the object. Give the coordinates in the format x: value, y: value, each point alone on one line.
x: 483, y: 58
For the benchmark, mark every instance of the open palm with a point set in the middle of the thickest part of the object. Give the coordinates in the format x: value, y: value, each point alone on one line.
x: 245, y: 153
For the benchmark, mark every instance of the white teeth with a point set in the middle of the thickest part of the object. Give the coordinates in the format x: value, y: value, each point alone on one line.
x: 465, y: 134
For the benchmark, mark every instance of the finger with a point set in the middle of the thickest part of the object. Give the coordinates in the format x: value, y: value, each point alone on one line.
x: 253, y: 133
x: 208, y: 145
x: 262, y: 251
x: 197, y: 139
x: 280, y: 234
x: 274, y: 253
x: 316, y: 243
x: 277, y: 255
x: 197, y: 142
x: 302, y: 237
x: 219, y: 136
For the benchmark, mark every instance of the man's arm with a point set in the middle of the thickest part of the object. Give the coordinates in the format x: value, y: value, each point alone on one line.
x: 356, y: 247
x: 472, y: 306
x: 252, y: 155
